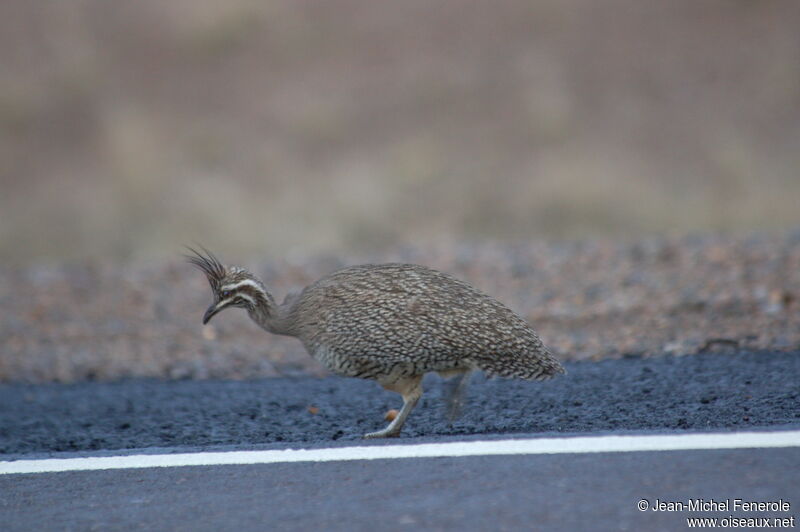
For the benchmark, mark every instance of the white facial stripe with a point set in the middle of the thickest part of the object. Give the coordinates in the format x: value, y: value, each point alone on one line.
x: 246, y: 282
x: 232, y: 298
x: 245, y: 296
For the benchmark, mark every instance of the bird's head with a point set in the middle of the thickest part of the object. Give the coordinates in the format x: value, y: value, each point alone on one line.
x: 231, y: 286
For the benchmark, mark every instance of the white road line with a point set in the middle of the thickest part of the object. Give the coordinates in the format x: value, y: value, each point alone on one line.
x: 580, y: 444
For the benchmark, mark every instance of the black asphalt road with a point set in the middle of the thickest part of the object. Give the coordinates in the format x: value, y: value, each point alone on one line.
x: 719, y: 392
x: 715, y: 391
x: 558, y: 492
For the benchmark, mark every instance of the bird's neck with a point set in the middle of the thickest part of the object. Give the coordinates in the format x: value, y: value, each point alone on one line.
x: 268, y: 315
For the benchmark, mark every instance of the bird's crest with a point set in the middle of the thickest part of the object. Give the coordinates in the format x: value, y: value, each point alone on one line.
x: 209, y: 264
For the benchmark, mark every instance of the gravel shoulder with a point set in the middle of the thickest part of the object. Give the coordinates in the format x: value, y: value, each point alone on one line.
x: 589, y: 300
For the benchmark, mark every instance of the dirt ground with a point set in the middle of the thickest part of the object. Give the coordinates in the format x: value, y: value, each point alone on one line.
x: 588, y: 300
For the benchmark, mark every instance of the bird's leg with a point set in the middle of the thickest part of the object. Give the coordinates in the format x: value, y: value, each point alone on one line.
x: 411, y: 390
x: 455, y: 395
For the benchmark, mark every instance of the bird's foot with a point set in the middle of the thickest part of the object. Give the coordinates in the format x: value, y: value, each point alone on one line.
x: 411, y: 391
x: 388, y: 432
x: 455, y: 396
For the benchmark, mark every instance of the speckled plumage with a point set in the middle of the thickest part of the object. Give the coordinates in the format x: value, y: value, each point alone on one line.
x: 392, y: 323
x: 406, y: 319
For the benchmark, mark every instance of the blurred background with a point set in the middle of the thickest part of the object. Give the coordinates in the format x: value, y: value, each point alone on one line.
x: 267, y: 128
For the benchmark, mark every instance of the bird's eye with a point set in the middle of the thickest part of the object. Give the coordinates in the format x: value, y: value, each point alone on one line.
x: 226, y: 294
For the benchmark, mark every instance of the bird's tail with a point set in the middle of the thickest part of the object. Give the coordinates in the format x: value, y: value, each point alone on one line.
x: 538, y: 365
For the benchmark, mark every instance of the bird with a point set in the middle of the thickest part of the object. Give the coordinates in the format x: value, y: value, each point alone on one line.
x: 391, y: 323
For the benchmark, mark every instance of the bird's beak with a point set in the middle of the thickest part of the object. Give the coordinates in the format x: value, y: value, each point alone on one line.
x: 213, y: 309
